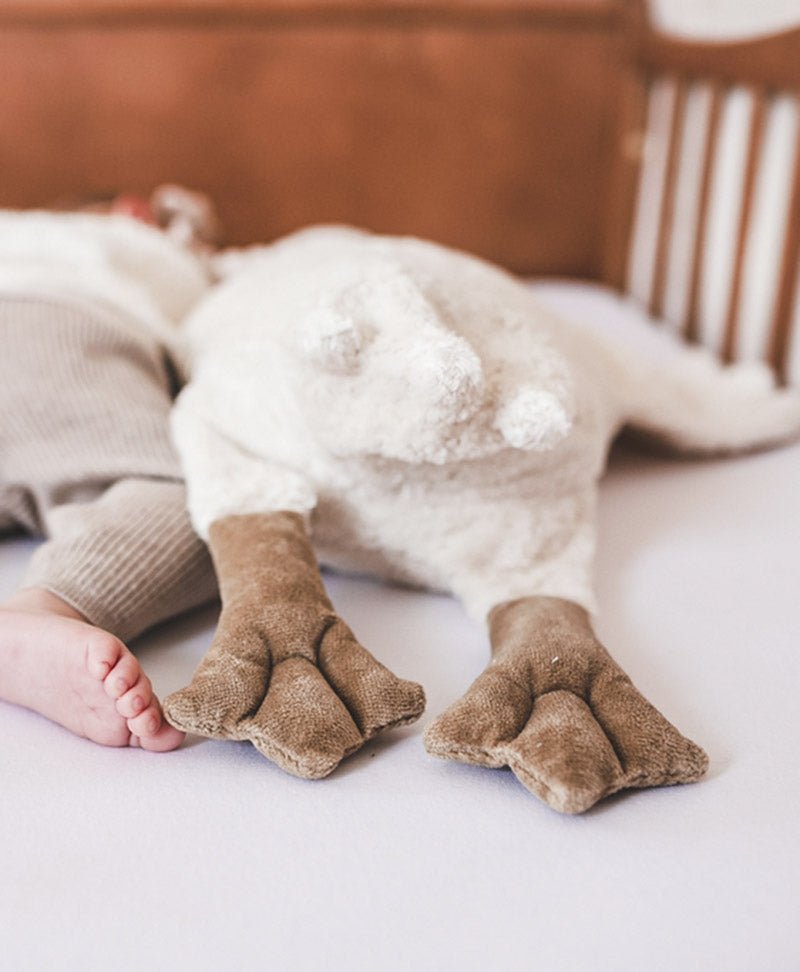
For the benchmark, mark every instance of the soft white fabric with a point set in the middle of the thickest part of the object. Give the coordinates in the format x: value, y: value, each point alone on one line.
x: 436, y: 423
x: 141, y: 276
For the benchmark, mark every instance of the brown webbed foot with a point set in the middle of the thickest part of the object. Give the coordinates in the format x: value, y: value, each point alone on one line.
x: 320, y: 707
x: 556, y: 708
x: 284, y: 670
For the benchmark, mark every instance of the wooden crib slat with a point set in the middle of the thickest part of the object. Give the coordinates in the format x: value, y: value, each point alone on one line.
x: 709, y: 157
x: 667, y: 214
x: 757, y: 126
x: 624, y: 182
x: 790, y: 267
x: 719, y: 287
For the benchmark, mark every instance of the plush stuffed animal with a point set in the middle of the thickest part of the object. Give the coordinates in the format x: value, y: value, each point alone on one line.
x: 421, y: 417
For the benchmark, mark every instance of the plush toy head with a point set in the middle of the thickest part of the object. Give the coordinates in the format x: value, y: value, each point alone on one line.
x: 388, y: 375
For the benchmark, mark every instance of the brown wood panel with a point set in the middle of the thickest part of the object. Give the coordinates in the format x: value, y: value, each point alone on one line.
x: 590, y: 12
x: 492, y: 140
x: 767, y: 62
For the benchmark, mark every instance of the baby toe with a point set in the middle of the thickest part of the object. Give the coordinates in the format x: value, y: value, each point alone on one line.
x: 147, y: 722
x: 123, y: 676
x: 160, y: 739
x: 103, y: 652
x: 136, y: 699
x: 165, y: 739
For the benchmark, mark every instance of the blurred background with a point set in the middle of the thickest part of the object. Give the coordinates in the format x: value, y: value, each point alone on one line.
x: 485, y: 124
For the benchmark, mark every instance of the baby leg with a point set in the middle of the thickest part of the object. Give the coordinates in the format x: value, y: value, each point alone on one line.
x: 55, y: 663
x: 86, y: 459
x: 120, y: 564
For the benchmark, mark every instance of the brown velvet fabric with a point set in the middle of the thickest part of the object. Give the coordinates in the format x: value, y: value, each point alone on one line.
x: 284, y: 671
x: 555, y: 707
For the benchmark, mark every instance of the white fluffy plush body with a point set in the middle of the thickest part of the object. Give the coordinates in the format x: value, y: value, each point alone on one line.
x: 432, y: 420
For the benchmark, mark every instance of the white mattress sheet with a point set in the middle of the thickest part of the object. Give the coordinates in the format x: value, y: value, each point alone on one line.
x: 210, y: 857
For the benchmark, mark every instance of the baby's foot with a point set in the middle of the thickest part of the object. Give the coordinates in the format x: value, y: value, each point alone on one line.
x: 55, y: 663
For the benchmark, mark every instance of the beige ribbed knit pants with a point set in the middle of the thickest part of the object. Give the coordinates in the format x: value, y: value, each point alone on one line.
x: 86, y: 460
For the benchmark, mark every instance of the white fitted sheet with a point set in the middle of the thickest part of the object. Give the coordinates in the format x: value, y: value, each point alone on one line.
x: 211, y: 858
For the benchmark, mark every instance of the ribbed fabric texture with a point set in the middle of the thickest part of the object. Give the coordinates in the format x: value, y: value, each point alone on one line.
x: 86, y: 460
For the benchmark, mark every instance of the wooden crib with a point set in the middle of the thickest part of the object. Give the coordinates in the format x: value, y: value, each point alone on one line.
x: 704, y: 223
x: 557, y: 137
x: 560, y: 138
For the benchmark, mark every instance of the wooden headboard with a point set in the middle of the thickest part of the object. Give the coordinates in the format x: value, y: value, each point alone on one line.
x: 552, y: 136
x: 484, y: 124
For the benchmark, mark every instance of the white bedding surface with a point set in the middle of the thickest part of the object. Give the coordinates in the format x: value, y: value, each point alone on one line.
x: 211, y: 858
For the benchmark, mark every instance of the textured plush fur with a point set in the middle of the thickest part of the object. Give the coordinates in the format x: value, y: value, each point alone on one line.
x: 434, y: 424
